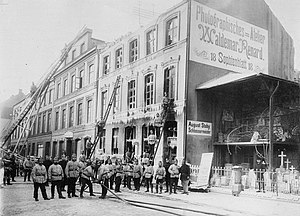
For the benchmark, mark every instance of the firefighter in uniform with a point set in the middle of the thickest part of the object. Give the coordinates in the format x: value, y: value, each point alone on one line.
x: 119, y: 174
x: 72, y: 173
x: 86, y: 174
x: 159, y: 177
x: 39, y: 177
x: 137, y: 174
x: 148, y: 174
x: 111, y: 168
x: 174, y: 175
x: 7, y: 168
x: 56, y: 175
x: 103, y: 178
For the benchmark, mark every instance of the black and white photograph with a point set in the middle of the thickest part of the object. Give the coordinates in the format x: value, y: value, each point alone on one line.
x: 150, y: 107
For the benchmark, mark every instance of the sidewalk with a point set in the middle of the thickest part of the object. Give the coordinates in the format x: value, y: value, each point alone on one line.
x: 253, y: 193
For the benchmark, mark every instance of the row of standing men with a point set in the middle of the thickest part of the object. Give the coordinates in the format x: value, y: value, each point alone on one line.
x: 109, y: 175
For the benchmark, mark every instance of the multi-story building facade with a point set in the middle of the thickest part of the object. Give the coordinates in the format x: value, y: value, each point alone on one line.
x: 66, y: 118
x: 185, y: 55
x: 75, y: 97
x: 151, y: 62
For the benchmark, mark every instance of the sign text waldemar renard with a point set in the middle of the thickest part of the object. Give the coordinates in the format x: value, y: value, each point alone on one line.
x: 199, y: 128
x: 226, y: 42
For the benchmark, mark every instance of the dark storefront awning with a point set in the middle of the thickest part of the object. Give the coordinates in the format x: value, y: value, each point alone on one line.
x: 232, y: 78
x: 226, y: 79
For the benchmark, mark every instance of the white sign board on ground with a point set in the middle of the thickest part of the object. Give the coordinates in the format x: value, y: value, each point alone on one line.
x: 204, y: 170
x: 226, y: 42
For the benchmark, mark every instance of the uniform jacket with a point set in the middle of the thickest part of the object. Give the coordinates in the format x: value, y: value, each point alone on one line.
x: 39, y: 174
x: 119, y: 170
x: 28, y: 164
x: 55, y: 172
x: 111, y: 169
x: 72, y: 169
x: 148, y: 172
x: 185, y: 172
x: 128, y: 169
x: 103, y: 172
x: 174, y: 171
x: 167, y: 166
x: 137, y: 171
x: 160, y: 173
x: 87, y: 172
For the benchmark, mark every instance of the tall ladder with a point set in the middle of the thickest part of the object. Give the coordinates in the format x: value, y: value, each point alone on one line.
x: 41, y: 88
x: 101, y: 124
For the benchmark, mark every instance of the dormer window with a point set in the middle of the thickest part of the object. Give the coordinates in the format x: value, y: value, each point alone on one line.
x: 73, y: 54
x: 82, y: 48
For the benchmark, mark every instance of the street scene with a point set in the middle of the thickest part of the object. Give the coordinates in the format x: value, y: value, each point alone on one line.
x: 135, y: 107
x: 18, y: 201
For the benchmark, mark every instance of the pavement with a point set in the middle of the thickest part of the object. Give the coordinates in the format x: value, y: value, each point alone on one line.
x: 17, y: 199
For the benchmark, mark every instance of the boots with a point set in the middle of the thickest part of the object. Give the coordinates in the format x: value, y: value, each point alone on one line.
x: 156, y: 187
x: 160, y: 190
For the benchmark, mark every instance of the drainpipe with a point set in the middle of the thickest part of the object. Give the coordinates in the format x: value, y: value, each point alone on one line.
x: 271, y: 120
x: 97, y: 88
x: 186, y: 78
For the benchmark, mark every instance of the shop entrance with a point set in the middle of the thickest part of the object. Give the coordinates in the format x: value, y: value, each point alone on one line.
x: 129, y: 148
x: 150, y: 136
x: 170, y: 140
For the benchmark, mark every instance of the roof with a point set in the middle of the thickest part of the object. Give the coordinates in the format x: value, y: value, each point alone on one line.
x: 237, y: 77
x: 226, y: 79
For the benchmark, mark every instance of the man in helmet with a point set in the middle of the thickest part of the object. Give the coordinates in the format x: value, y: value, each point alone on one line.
x: 56, y: 175
x: 87, y: 173
x: 103, y: 178
x: 39, y: 176
x: 72, y: 173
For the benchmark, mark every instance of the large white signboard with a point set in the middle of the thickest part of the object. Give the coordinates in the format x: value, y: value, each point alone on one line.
x: 226, y: 42
x: 199, y: 128
x: 204, y: 170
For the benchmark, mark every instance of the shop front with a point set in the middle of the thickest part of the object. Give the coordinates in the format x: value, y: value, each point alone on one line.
x: 254, y: 116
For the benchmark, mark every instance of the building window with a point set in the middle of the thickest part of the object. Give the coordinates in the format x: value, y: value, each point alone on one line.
x: 102, y: 140
x: 79, y: 114
x: 39, y: 124
x: 89, y: 112
x: 106, y: 65
x: 50, y: 96
x: 33, y: 127
x: 56, y: 119
x: 65, y: 87
x: 71, y: 116
x: 49, y: 122
x: 151, y: 41
x: 82, y: 48
x: 72, y: 83
x: 115, y: 139
x: 169, y: 82
x: 119, y: 58
x: 149, y: 89
x: 91, y: 73
x: 44, y: 123
x: 80, y: 79
x: 103, y: 103
x: 172, y: 31
x: 133, y: 51
x: 63, y: 118
x: 58, y: 91
x: 117, y: 100
x: 131, y: 94
x: 73, y: 54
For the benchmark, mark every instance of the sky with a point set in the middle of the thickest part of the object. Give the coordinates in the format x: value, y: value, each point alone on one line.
x: 33, y: 32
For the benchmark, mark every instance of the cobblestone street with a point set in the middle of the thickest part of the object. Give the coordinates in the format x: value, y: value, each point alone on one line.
x: 17, y: 199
